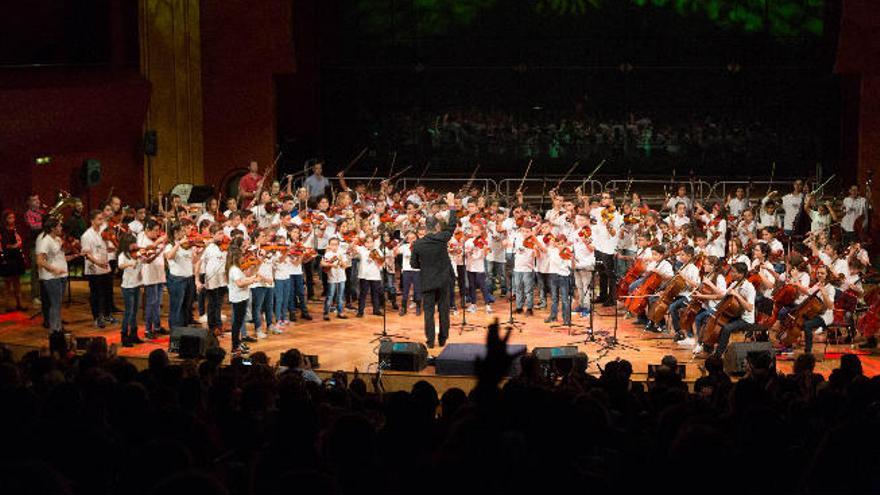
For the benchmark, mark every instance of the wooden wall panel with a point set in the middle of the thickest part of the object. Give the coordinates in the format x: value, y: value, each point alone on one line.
x: 171, y: 60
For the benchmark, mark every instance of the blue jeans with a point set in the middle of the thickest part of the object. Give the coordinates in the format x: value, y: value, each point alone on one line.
x: 411, y: 280
x: 153, y: 294
x: 700, y: 320
x: 560, y: 290
x: 261, y: 305
x: 524, y: 289
x: 282, y: 298
x: 677, y: 305
x: 132, y: 298
x: 622, y: 265
x: 809, y: 327
x: 726, y: 330
x: 335, y: 295
x: 543, y: 288
x: 496, y: 270
x: 51, y: 294
x: 477, y: 280
x: 177, y: 287
x: 297, y: 295
x: 215, y: 304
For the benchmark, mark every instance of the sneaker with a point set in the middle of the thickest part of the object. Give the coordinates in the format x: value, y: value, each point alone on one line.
x: 472, y: 308
x: 136, y: 340
x: 248, y: 338
x: 163, y: 331
x: 549, y: 319
x: 150, y: 336
x: 99, y: 323
x: 518, y: 311
x: 36, y: 301
x: 488, y: 308
x: 326, y: 317
x: 244, y: 346
x: 306, y: 316
x: 276, y: 330
x: 529, y: 312
x: 203, y: 318
x: 341, y: 316
x: 359, y: 315
x: 127, y: 343
x: 261, y: 335
x: 698, y: 349
x: 686, y: 342
x: 585, y: 313
x: 111, y: 320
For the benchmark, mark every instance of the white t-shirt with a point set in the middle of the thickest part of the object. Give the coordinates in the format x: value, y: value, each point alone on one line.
x: 368, y: 269
x: 135, y: 227
x: 337, y: 272
x: 736, y: 206
x: 496, y: 243
x: 266, y: 270
x: 819, y: 223
x: 181, y: 265
x: 720, y: 284
x: 791, y: 205
x: 51, y: 247
x: 558, y: 265
x: 284, y: 267
x: 664, y: 268
x: 603, y: 241
x: 523, y: 257
x: 236, y: 293
x: 827, y: 315
x: 475, y: 259
x: 214, y: 261
x: 93, y: 244
x: 852, y: 209
x: 802, y: 279
x: 747, y: 291
x: 131, y: 275
x: 691, y: 273
x: 153, y: 272
x: 584, y: 256
x: 405, y: 251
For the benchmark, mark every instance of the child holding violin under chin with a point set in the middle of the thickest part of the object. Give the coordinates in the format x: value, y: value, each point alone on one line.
x: 242, y: 273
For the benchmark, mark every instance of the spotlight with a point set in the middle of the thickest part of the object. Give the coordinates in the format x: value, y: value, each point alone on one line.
x: 625, y: 67
x: 42, y: 160
x: 734, y: 67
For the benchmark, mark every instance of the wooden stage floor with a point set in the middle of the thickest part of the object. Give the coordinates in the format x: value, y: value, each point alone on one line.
x: 348, y: 344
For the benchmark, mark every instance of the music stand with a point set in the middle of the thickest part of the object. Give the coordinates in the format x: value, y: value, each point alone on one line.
x: 464, y: 326
x: 611, y: 341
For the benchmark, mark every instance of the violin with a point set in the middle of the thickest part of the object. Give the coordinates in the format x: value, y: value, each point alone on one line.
x: 274, y: 247
x: 386, y: 217
x: 480, y: 242
x: 136, y: 251
x: 224, y: 244
x: 566, y: 253
x: 71, y: 245
x: 333, y: 261
x: 249, y: 260
x: 586, y: 233
x: 377, y: 257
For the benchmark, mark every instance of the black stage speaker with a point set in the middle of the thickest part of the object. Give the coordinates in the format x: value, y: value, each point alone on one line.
x: 403, y: 356
x: 83, y: 343
x: 738, y: 353
x: 191, y: 342
x: 559, y: 359
x: 151, y: 143
x: 91, y: 172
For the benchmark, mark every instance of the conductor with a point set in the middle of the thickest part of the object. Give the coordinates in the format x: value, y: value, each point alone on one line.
x: 431, y: 256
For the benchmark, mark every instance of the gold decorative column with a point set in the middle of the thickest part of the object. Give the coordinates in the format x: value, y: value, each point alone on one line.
x: 170, y: 45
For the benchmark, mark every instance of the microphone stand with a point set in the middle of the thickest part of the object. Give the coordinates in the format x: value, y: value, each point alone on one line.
x: 591, y: 335
x: 511, y: 322
x: 384, y: 335
x: 611, y: 341
x: 464, y: 326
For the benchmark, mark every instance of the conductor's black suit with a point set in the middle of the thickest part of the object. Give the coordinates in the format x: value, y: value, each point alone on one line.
x: 430, y: 255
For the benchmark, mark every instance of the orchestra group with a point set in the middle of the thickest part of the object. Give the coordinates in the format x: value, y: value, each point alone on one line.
x: 697, y: 272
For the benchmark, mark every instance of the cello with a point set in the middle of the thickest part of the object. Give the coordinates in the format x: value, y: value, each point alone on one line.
x: 728, y: 308
x: 689, y: 314
x: 634, y: 272
x: 792, y: 326
x: 669, y: 292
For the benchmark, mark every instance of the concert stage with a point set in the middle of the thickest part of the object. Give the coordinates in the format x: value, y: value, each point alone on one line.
x: 349, y: 344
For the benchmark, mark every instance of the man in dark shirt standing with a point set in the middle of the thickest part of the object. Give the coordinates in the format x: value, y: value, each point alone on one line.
x: 430, y: 255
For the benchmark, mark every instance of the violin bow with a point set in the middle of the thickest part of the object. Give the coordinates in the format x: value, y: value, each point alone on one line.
x: 523, y: 181
x: 353, y: 162
x: 424, y: 171
x: 772, y: 175
x: 570, y: 170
